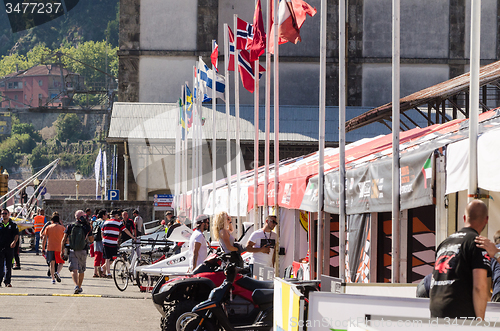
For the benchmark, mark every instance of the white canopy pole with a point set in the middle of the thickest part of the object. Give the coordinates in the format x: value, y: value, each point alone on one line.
x: 475, y: 57
x: 256, y: 220
x: 395, y: 142
x: 342, y: 105
x: 276, y: 132
x: 267, y: 112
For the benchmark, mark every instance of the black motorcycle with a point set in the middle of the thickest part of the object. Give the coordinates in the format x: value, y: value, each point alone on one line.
x: 213, y: 313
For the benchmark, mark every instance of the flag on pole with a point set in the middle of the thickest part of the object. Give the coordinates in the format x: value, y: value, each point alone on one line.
x: 215, y: 56
x: 189, y: 107
x: 246, y: 69
x: 291, y: 17
x: 230, y: 64
x: 182, y: 120
x: 205, y: 78
x: 97, y: 171
x: 244, y: 30
x: 256, y: 44
x: 105, y: 173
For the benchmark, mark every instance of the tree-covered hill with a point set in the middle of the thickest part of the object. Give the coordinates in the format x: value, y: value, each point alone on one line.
x: 90, y: 20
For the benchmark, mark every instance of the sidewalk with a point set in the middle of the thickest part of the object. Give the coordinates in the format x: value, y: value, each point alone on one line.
x: 34, y: 303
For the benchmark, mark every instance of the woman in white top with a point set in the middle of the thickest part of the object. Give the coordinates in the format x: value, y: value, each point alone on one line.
x: 223, y: 227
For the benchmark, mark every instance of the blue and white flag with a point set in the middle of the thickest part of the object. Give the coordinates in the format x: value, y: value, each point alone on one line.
x: 205, y: 79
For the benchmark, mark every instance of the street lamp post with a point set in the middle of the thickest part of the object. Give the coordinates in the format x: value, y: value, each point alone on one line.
x: 78, y: 178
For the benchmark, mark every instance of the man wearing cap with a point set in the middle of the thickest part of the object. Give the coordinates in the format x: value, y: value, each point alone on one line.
x: 262, y: 242
x: 198, y: 246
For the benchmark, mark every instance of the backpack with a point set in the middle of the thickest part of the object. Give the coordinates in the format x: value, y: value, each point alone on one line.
x: 77, y: 237
x: 97, y: 231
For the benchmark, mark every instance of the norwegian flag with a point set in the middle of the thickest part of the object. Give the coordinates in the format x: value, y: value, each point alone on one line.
x: 230, y: 65
x: 215, y: 56
x: 244, y: 31
x: 246, y: 69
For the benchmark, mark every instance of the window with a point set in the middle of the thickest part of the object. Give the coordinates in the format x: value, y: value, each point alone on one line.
x: 20, y: 85
x: 25, y: 97
x: 25, y: 83
x: 40, y: 83
x: 40, y: 96
x: 15, y: 97
x: 2, y: 84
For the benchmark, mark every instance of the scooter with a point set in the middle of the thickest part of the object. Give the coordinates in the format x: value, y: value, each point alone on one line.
x: 213, y: 313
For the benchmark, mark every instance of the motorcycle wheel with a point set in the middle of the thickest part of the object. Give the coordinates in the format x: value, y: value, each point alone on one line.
x: 120, y: 274
x: 173, y: 310
x: 193, y: 323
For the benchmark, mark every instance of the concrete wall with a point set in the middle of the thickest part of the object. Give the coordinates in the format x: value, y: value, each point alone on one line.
x: 172, y: 34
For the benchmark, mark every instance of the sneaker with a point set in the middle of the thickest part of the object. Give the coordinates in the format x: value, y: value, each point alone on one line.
x: 77, y: 290
x: 58, y: 278
x: 80, y: 290
x: 8, y: 285
x: 16, y: 267
x: 53, y: 281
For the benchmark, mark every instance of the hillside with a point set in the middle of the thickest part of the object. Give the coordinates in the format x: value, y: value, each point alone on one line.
x: 93, y: 20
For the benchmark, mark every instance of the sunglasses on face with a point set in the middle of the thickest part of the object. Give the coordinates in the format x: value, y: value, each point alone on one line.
x: 5, y: 213
x: 275, y: 223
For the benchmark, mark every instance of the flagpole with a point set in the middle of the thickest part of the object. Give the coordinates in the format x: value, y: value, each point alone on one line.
x: 200, y: 159
x: 475, y: 57
x: 395, y: 142
x: 237, y: 113
x: 177, y: 156
x: 184, y: 151
x: 256, y: 222
x: 228, y: 127
x: 276, y: 133
x: 342, y: 107
x: 267, y: 113
x: 193, y: 149
x: 214, y: 133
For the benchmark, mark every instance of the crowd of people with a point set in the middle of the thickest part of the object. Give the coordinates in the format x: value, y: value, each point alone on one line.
x: 100, y: 233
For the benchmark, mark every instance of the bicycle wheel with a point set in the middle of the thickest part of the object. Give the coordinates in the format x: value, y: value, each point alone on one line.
x: 140, y: 277
x: 120, y: 274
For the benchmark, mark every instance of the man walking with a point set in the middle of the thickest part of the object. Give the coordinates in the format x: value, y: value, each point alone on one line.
x: 111, y: 230
x: 9, y: 234
x: 52, y: 237
x: 262, y: 242
x: 79, y: 234
x: 138, y: 221
x: 459, y: 284
x: 38, y: 223
x: 198, y: 246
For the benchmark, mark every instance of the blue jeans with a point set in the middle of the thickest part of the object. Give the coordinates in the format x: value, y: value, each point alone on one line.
x: 37, y: 241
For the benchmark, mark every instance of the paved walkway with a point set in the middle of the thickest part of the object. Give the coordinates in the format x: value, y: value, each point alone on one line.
x: 34, y: 303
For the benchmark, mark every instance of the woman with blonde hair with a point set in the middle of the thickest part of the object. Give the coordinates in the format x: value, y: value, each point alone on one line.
x: 223, y: 227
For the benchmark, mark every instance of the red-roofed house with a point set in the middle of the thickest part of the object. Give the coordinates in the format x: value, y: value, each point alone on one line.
x: 38, y: 86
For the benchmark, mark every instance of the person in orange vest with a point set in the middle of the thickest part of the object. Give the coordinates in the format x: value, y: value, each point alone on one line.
x: 38, y: 223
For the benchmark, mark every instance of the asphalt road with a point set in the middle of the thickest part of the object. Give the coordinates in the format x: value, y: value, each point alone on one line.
x: 34, y: 303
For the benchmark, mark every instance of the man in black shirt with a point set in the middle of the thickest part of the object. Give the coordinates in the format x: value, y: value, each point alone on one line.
x: 459, y: 284
x: 9, y: 234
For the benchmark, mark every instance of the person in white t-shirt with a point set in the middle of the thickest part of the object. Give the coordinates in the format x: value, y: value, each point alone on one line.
x: 198, y: 246
x: 262, y: 242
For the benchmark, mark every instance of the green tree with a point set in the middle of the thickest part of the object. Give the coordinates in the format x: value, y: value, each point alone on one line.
x: 26, y: 128
x: 68, y: 127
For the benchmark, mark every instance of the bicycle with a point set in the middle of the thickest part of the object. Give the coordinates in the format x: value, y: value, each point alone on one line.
x: 124, y: 267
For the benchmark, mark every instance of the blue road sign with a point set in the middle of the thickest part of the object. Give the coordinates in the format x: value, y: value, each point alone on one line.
x: 113, y: 194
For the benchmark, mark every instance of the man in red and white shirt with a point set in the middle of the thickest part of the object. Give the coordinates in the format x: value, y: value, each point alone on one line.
x: 111, y: 230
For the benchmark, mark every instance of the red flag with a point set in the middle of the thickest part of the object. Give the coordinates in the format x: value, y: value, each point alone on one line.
x: 246, y: 69
x: 291, y: 17
x: 243, y: 30
x: 230, y: 65
x: 257, y: 45
x: 215, y: 56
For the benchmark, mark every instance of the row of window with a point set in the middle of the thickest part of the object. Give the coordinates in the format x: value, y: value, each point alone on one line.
x: 26, y: 97
x: 18, y: 85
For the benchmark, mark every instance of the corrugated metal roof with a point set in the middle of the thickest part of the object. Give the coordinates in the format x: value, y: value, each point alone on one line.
x: 156, y: 121
x: 488, y: 73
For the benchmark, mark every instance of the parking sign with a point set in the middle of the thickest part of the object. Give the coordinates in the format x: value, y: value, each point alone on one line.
x: 113, y: 194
